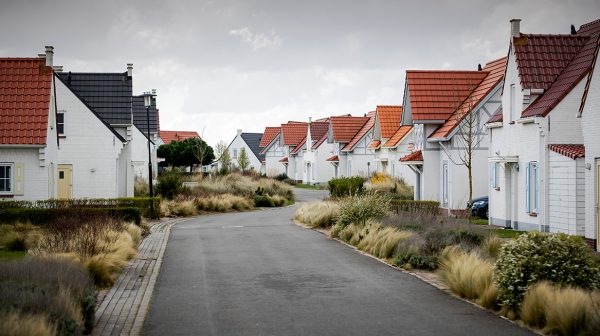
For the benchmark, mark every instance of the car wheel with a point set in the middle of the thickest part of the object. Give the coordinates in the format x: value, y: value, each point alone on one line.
x: 487, y: 213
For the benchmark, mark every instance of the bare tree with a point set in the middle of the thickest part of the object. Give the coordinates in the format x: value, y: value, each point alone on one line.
x: 243, y: 161
x: 223, y: 156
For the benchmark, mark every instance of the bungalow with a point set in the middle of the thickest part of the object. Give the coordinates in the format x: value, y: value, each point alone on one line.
x: 270, y: 144
x: 589, y: 112
x: 449, y: 110
x: 249, y: 142
x: 292, y: 135
x: 52, y: 143
x: 391, y: 141
x: 310, y: 153
x: 350, y: 136
x: 537, y: 158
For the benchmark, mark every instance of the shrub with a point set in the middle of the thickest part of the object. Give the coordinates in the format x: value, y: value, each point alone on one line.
x: 491, y: 246
x: 223, y: 203
x: 373, y: 238
x: 279, y: 200
x: 317, y: 214
x: 55, y: 287
x: 438, y: 239
x: 397, y: 188
x: 466, y: 274
x: 281, y: 177
x: 263, y: 201
x: 535, y: 256
x: 358, y: 209
x: 169, y: 184
x: 13, y: 324
x: 346, y: 186
x: 44, y: 216
x: 432, y: 207
x: 409, y: 260
x: 141, y: 188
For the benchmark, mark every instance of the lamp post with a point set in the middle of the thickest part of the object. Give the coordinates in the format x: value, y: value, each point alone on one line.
x: 147, y: 103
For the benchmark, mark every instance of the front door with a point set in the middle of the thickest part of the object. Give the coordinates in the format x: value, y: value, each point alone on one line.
x: 65, y: 181
x: 597, y: 201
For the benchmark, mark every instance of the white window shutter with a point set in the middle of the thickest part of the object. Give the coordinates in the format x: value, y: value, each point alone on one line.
x: 19, y: 179
x: 537, y: 186
x: 527, y: 188
x: 493, y: 176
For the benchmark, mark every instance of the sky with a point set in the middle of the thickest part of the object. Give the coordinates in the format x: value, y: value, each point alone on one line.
x: 219, y: 66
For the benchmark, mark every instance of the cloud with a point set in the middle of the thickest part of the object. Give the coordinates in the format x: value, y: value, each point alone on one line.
x: 257, y: 40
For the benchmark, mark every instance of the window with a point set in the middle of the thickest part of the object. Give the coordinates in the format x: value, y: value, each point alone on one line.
x: 532, y: 188
x: 6, y: 174
x: 494, y: 175
x: 60, y: 122
x: 445, y: 184
x: 235, y: 153
x: 513, y: 104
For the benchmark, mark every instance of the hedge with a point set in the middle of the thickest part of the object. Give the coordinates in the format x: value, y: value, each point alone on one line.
x: 346, y: 186
x: 143, y: 203
x: 41, y: 216
x: 415, y: 206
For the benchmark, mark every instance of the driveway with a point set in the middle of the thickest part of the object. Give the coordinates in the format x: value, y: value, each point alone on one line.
x: 257, y: 273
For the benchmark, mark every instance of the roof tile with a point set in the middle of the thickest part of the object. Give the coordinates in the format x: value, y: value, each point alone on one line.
x: 345, y: 127
x: 367, y: 127
x: 570, y: 151
x: 170, y: 136
x: 414, y: 156
x: 268, y: 135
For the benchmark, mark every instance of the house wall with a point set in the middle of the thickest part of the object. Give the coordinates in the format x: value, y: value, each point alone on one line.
x: 123, y: 164
x: 273, y: 154
x: 89, y: 146
x: 38, y: 174
x: 590, y: 119
x: 239, y: 143
x: 362, y: 159
x: 566, y: 199
x: 325, y: 170
x: 139, y: 155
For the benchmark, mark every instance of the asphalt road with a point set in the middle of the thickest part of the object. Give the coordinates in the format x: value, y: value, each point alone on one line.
x: 257, y: 273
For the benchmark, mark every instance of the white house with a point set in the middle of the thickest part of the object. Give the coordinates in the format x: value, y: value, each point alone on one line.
x: 273, y: 151
x: 250, y: 143
x: 350, y: 137
x: 306, y: 154
x: 449, y: 110
x: 58, y: 147
x: 391, y: 141
x: 536, y: 164
x: 589, y: 112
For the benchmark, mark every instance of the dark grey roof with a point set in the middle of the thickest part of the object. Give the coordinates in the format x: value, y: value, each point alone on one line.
x: 109, y: 94
x: 253, y: 141
x: 94, y: 112
x: 139, y: 115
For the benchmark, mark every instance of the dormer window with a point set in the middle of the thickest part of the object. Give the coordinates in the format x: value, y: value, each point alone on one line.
x: 60, y: 123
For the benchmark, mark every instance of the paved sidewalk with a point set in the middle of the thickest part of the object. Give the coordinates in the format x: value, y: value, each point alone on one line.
x: 123, y: 310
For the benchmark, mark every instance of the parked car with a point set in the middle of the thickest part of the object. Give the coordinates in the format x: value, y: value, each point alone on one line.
x: 479, y: 207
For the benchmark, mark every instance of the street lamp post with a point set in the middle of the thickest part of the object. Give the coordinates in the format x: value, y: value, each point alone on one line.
x: 147, y: 103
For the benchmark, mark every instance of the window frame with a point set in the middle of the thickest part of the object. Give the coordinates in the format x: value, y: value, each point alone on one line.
x: 513, y: 103
x: 494, y: 176
x: 532, y: 188
x: 235, y: 153
x: 59, y: 114
x: 11, y: 178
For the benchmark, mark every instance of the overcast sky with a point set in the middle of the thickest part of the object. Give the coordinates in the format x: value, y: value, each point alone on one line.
x: 223, y: 65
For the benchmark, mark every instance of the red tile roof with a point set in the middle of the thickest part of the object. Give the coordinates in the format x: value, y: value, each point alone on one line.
x: 400, y: 134
x: 414, y: 156
x: 293, y: 133
x: 284, y: 160
x: 375, y: 144
x: 318, y: 130
x: 320, y: 141
x: 344, y: 128
x: 24, y: 101
x: 170, y: 136
x: 268, y: 135
x: 572, y: 74
x: 334, y: 158
x: 570, y: 151
x: 389, y: 119
x: 495, y: 70
x: 435, y: 95
x: 496, y: 117
x: 367, y: 127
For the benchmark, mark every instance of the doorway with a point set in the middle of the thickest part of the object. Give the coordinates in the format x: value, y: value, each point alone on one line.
x: 65, y: 181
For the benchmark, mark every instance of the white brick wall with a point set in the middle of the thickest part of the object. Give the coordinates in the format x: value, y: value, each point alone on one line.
x: 565, y: 194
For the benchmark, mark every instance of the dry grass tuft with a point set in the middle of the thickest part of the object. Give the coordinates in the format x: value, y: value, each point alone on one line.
x: 13, y: 324
x: 317, y: 214
x: 374, y: 239
x: 467, y: 274
x: 223, y: 203
x: 561, y: 310
x: 491, y: 246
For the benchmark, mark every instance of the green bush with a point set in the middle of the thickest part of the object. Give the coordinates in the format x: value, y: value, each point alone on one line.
x: 41, y: 216
x: 535, y: 256
x: 281, y: 177
x: 263, y: 201
x: 409, y: 259
x: 415, y: 206
x: 358, y: 209
x: 346, y: 186
x: 169, y: 185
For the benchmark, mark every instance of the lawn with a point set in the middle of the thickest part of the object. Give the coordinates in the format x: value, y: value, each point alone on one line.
x: 506, y: 233
x: 11, y: 255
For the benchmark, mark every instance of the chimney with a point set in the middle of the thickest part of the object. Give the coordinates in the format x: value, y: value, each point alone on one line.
x: 239, y: 131
x: 479, y: 68
x: 573, y: 30
x: 49, y: 55
x: 129, y: 69
x: 515, y: 27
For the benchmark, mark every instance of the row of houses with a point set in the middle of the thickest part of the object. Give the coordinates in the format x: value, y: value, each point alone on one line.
x: 526, y: 126
x: 73, y: 134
